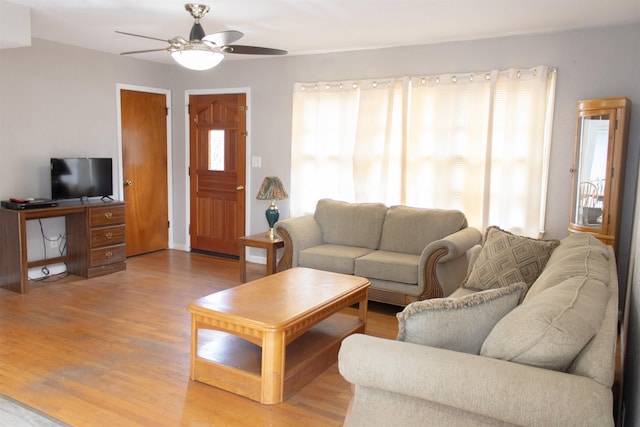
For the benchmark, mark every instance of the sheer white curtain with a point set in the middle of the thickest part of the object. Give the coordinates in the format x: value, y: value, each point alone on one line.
x: 447, y: 142
x: 477, y: 142
x: 343, y: 141
x: 520, y: 149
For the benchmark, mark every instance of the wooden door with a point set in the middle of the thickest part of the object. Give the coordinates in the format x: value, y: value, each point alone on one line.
x: 144, y: 161
x: 217, y: 172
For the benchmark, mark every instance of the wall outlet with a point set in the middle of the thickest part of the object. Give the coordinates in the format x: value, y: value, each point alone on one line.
x: 53, y: 243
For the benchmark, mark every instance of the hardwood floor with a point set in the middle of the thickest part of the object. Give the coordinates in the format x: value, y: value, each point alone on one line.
x: 114, y: 350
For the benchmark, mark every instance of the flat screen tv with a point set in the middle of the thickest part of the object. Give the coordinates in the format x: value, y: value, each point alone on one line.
x: 79, y: 178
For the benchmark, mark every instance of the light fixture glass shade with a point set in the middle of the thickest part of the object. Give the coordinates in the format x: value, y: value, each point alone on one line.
x: 197, y: 57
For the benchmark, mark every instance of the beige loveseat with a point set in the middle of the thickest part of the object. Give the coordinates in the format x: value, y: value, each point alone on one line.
x: 549, y: 361
x: 408, y: 254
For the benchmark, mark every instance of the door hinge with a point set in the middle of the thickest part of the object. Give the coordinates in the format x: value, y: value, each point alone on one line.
x: 189, y: 171
x: 168, y: 224
x: 244, y: 133
x: 244, y: 108
x: 166, y: 111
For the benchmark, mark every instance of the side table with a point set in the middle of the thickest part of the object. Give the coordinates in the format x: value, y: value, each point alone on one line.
x: 263, y: 241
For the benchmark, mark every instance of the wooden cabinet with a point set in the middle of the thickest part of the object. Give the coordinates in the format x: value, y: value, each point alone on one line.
x: 106, y: 240
x: 95, y: 236
x: 598, y: 168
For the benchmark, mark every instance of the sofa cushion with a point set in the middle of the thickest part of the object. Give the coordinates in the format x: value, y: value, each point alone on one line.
x: 336, y: 258
x: 548, y: 331
x: 579, y: 255
x: 409, y: 230
x: 392, y: 266
x: 506, y: 258
x: 459, y: 324
x: 350, y: 224
x: 576, y: 241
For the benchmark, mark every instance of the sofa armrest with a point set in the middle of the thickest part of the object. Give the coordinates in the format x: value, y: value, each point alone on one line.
x: 298, y: 234
x: 444, y: 262
x: 507, y: 391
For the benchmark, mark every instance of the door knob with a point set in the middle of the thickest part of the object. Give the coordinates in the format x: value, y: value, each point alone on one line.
x: 128, y: 183
x: 240, y: 187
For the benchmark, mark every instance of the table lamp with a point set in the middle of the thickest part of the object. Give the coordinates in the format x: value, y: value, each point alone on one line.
x: 272, y: 189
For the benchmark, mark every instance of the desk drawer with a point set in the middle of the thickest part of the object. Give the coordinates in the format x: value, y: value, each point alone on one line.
x: 107, y: 236
x: 107, y: 255
x: 110, y: 215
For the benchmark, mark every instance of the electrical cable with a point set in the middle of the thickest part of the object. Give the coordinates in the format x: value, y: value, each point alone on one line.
x: 44, y: 268
x: 61, y: 241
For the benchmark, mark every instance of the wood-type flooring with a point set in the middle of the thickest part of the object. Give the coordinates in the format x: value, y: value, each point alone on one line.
x: 114, y: 350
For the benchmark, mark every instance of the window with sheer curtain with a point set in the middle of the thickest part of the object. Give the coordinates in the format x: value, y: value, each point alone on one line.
x: 477, y: 142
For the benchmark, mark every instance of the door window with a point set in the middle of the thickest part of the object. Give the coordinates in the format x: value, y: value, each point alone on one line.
x: 216, y: 150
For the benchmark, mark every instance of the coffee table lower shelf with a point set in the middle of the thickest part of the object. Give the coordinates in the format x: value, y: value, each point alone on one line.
x: 231, y: 363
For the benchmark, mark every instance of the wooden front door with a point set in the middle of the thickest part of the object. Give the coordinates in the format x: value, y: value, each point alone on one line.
x: 144, y: 170
x: 217, y: 172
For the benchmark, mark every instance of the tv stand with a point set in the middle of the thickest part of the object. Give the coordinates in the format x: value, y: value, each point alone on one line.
x: 95, y: 241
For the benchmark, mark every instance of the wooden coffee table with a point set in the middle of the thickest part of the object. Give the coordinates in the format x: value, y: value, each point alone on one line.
x: 267, y: 338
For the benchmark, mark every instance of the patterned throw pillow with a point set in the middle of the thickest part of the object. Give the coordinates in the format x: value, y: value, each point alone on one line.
x: 506, y: 258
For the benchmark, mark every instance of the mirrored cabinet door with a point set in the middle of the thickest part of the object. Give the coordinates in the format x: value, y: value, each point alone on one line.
x: 598, y: 168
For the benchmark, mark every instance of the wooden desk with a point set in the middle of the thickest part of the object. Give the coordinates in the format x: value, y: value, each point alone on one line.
x: 94, y: 236
x: 263, y: 241
x: 267, y: 338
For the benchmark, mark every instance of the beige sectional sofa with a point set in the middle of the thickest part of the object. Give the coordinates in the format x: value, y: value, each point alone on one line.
x: 483, y: 358
x: 408, y: 254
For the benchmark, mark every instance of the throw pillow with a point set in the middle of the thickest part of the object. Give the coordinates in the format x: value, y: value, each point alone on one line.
x: 550, y: 330
x: 506, y: 258
x: 459, y: 324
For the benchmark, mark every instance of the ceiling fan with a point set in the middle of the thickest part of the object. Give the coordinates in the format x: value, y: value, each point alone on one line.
x: 202, y: 52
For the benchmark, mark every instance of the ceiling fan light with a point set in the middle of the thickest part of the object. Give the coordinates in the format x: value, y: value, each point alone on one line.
x: 197, y: 58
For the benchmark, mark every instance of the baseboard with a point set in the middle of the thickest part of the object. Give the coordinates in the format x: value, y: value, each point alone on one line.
x: 257, y: 259
x: 250, y: 258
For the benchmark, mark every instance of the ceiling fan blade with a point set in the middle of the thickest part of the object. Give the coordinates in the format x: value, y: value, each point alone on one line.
x: 223, y: 38
x: 142, y: 51
x: 144, y: 37
x: 252, y: 50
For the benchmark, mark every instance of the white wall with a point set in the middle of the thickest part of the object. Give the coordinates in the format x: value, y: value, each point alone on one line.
x: 58, y: 100
x: 630, y: 332
x: 591, y: 64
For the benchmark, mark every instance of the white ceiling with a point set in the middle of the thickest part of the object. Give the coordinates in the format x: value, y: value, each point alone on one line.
x: 315, y: 26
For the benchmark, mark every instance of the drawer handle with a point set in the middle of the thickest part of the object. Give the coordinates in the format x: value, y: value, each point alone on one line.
x: 108, y: 215
x: 108, y: 254
x: 108, y: 234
